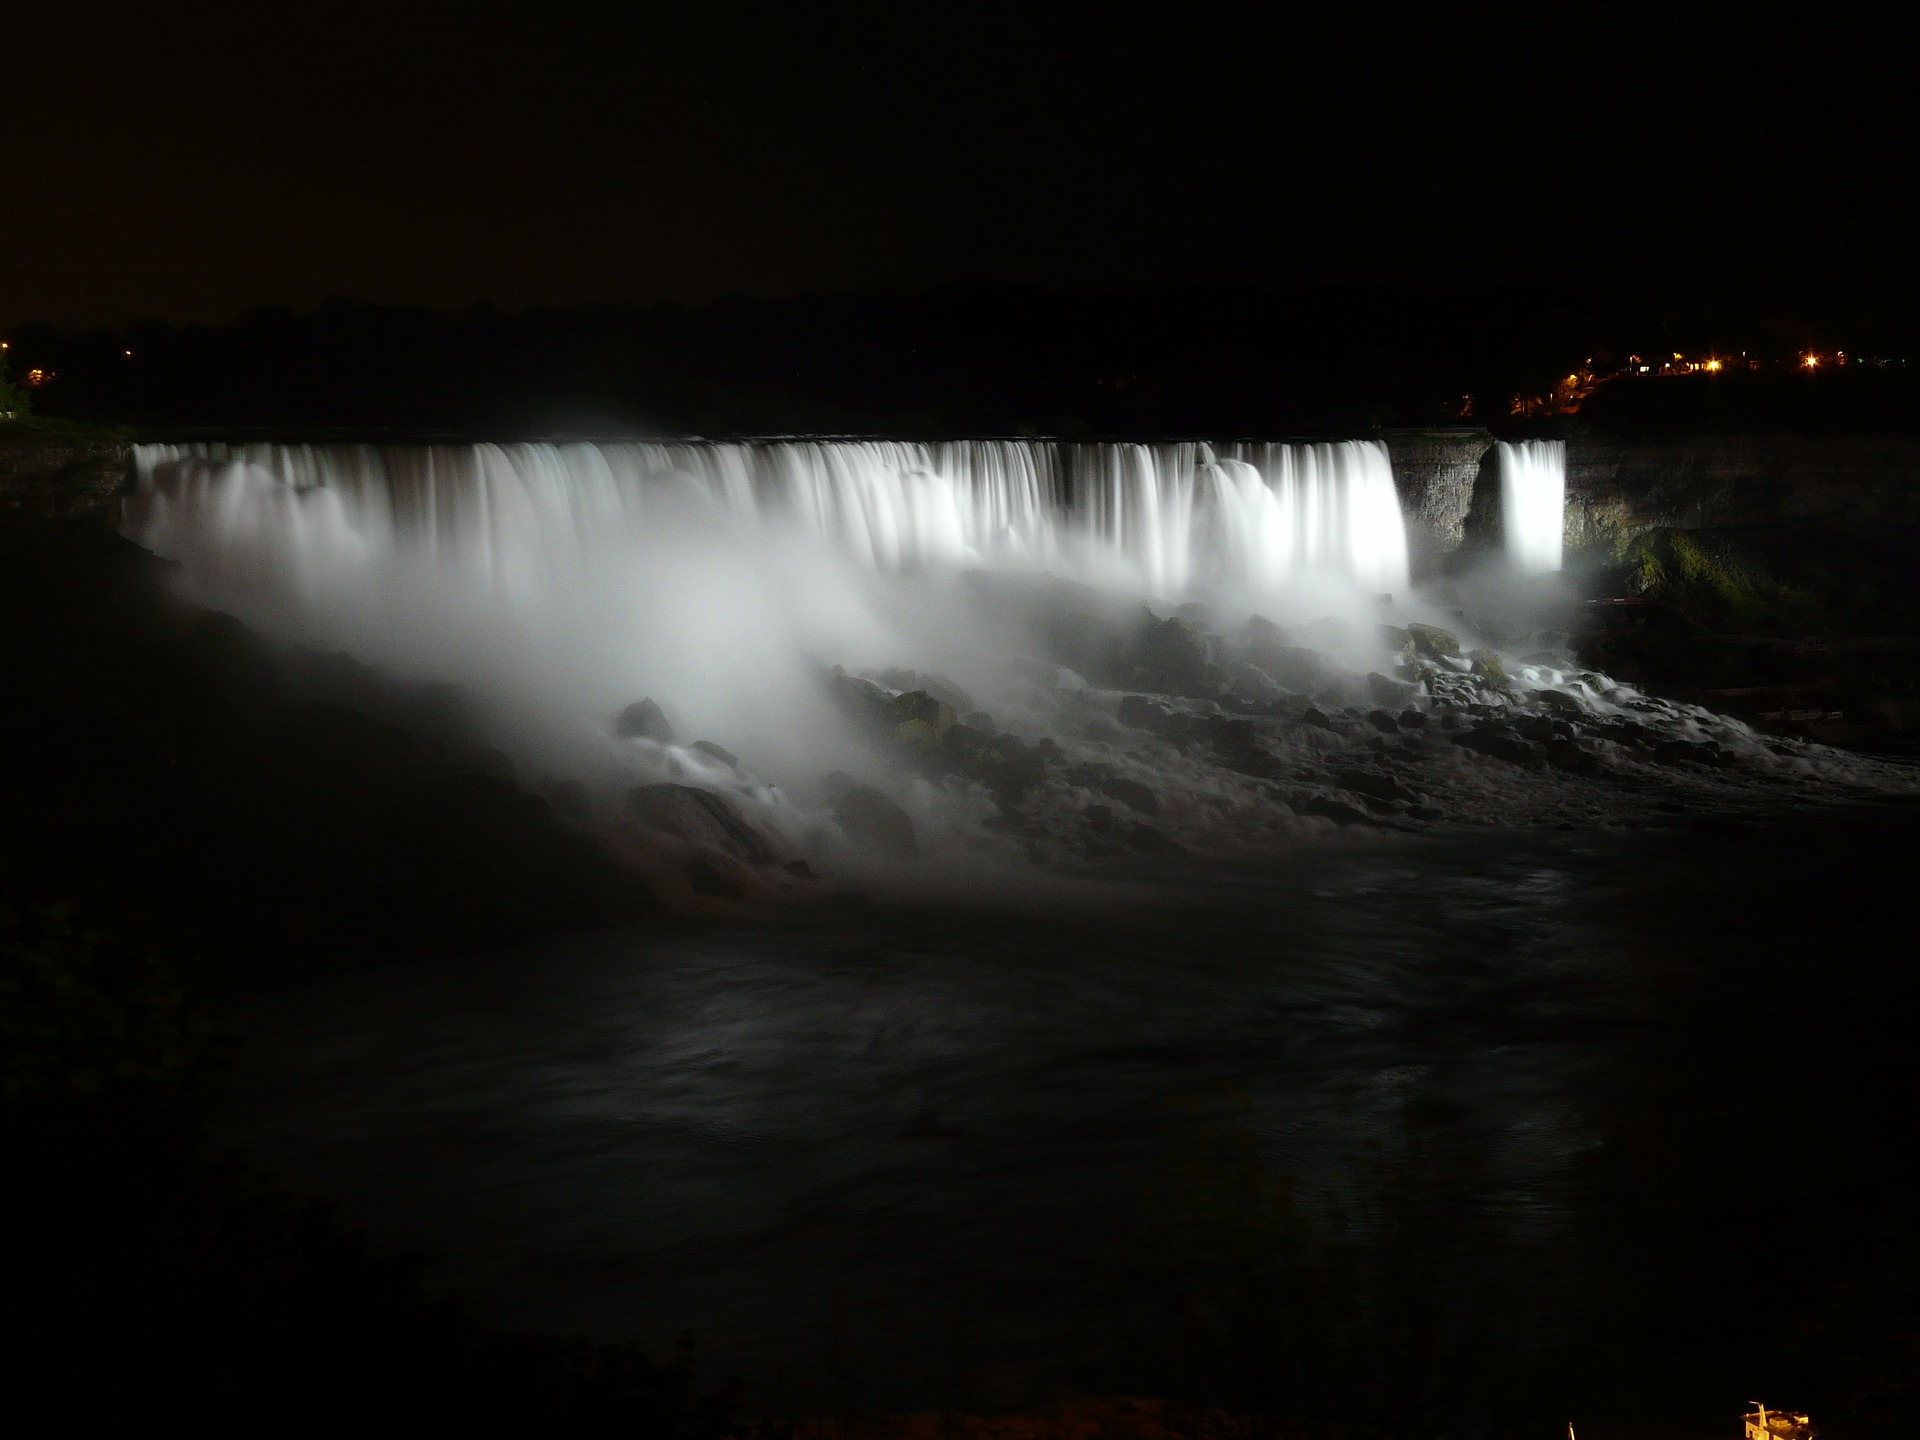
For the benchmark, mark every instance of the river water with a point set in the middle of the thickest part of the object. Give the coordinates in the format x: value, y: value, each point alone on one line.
x: 1481, y: 1131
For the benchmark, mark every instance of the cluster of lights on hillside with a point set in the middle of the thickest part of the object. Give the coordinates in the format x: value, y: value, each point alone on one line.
x: 1573, y: 388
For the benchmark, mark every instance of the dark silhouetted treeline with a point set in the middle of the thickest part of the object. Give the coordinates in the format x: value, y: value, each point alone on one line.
x: 1140, y: 362
x: 967, y: 360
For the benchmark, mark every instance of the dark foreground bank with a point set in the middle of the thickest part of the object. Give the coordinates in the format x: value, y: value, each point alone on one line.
x: 173, y: 777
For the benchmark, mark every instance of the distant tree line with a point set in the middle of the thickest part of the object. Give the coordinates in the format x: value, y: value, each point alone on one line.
x: 1143, y: 362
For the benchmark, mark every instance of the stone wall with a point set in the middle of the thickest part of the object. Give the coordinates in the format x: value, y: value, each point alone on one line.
x: 1436, y: 472
x: 1617, y: 489
x: 80, y: 480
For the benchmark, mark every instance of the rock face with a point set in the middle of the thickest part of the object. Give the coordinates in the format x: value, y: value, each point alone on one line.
x: 1435, y: 472
x: 63, y: 482
x: 1617, y: 489
x: 643, y: 720
x: 869, y: 817
x: 701, y: 818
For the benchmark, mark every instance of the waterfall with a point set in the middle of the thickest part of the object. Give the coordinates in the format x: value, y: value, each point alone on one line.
x: 1533, y: 492
x: 1174, y: 519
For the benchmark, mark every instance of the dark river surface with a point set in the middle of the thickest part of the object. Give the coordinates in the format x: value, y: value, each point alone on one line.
x: 1483, y: 1132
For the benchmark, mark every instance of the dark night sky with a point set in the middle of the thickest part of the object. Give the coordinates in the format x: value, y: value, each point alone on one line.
x: 186, y: 161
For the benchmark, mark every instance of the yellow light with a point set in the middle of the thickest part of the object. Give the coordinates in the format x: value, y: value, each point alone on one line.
x: 1713, y: 364
x: 1811, y: 362
x: 126, y: 352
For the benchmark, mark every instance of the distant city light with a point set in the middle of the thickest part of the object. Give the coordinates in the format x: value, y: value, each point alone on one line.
x: 1713, y: 364
x: 1812, y: 362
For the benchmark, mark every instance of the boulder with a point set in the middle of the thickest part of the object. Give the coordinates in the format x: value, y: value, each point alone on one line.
x: 1432, y: 641
x: 1383, y: 721
x: 938, y: 686
x: 643, y: 720
x: 1497, y: 740
x: 1294, y: 667
x: 918, y: 705
x: 1170, y: 656
x: 1374, y: 785
x: 1338, y: 811
x: 711, y: 873
x: 1005, y: 764
x: 1317, y: 718
x: 1130, y: 793
x: 1388, y: 691
x: 700, y: 818
x: 915, y: 735
x: 862, y: 702
x: 718, y: 752
x: 1398, y: 640
x: 871, y: 818
x: 1143, y: 714
x: 1488, y: 665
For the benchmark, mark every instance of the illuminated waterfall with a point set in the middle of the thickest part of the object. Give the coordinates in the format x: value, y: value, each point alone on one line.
x: 1174, y: 519
x: 1533, y: 492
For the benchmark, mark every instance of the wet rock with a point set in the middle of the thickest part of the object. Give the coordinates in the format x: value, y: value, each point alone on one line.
x: 1099, y: 817
x: 1171, y: 657
x: 863, y: 702
x: 1542, y: 728
x: 1374, y: 786
x: 1316, y: 717
x: 1432, y: 641
x: 1388, y: 691
x: 1141, y: 713
x: 643, y: 720
x: 1383, y: 722
x: 1413, y: 719
x: 1132, y: 794
x: 1425, y: 812
x: 938, y: 686
x: 1201, y: 616
x: 1104, y: 780
x: 1571, y: 756
x: 1559, y: 700
x: 1262, y: 631
x: 1250, y: 683
x: 701, y: 818
x: 1294, y: 667
x: 918, y: 705
x: 1398, y: 641
x: 1145, y: 837
x: 1005, y: 764
x: 1497, y: 740
x: 800, y: 869
x: 1227, y: 732
x: 1488, y: 666
x: 724, y: 756
x: 980, y: 720
x: 915, y: 735
x: 711, y: 873
x: 1048, y: 749
x: 873, y: 819
x: 1338, y: 811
